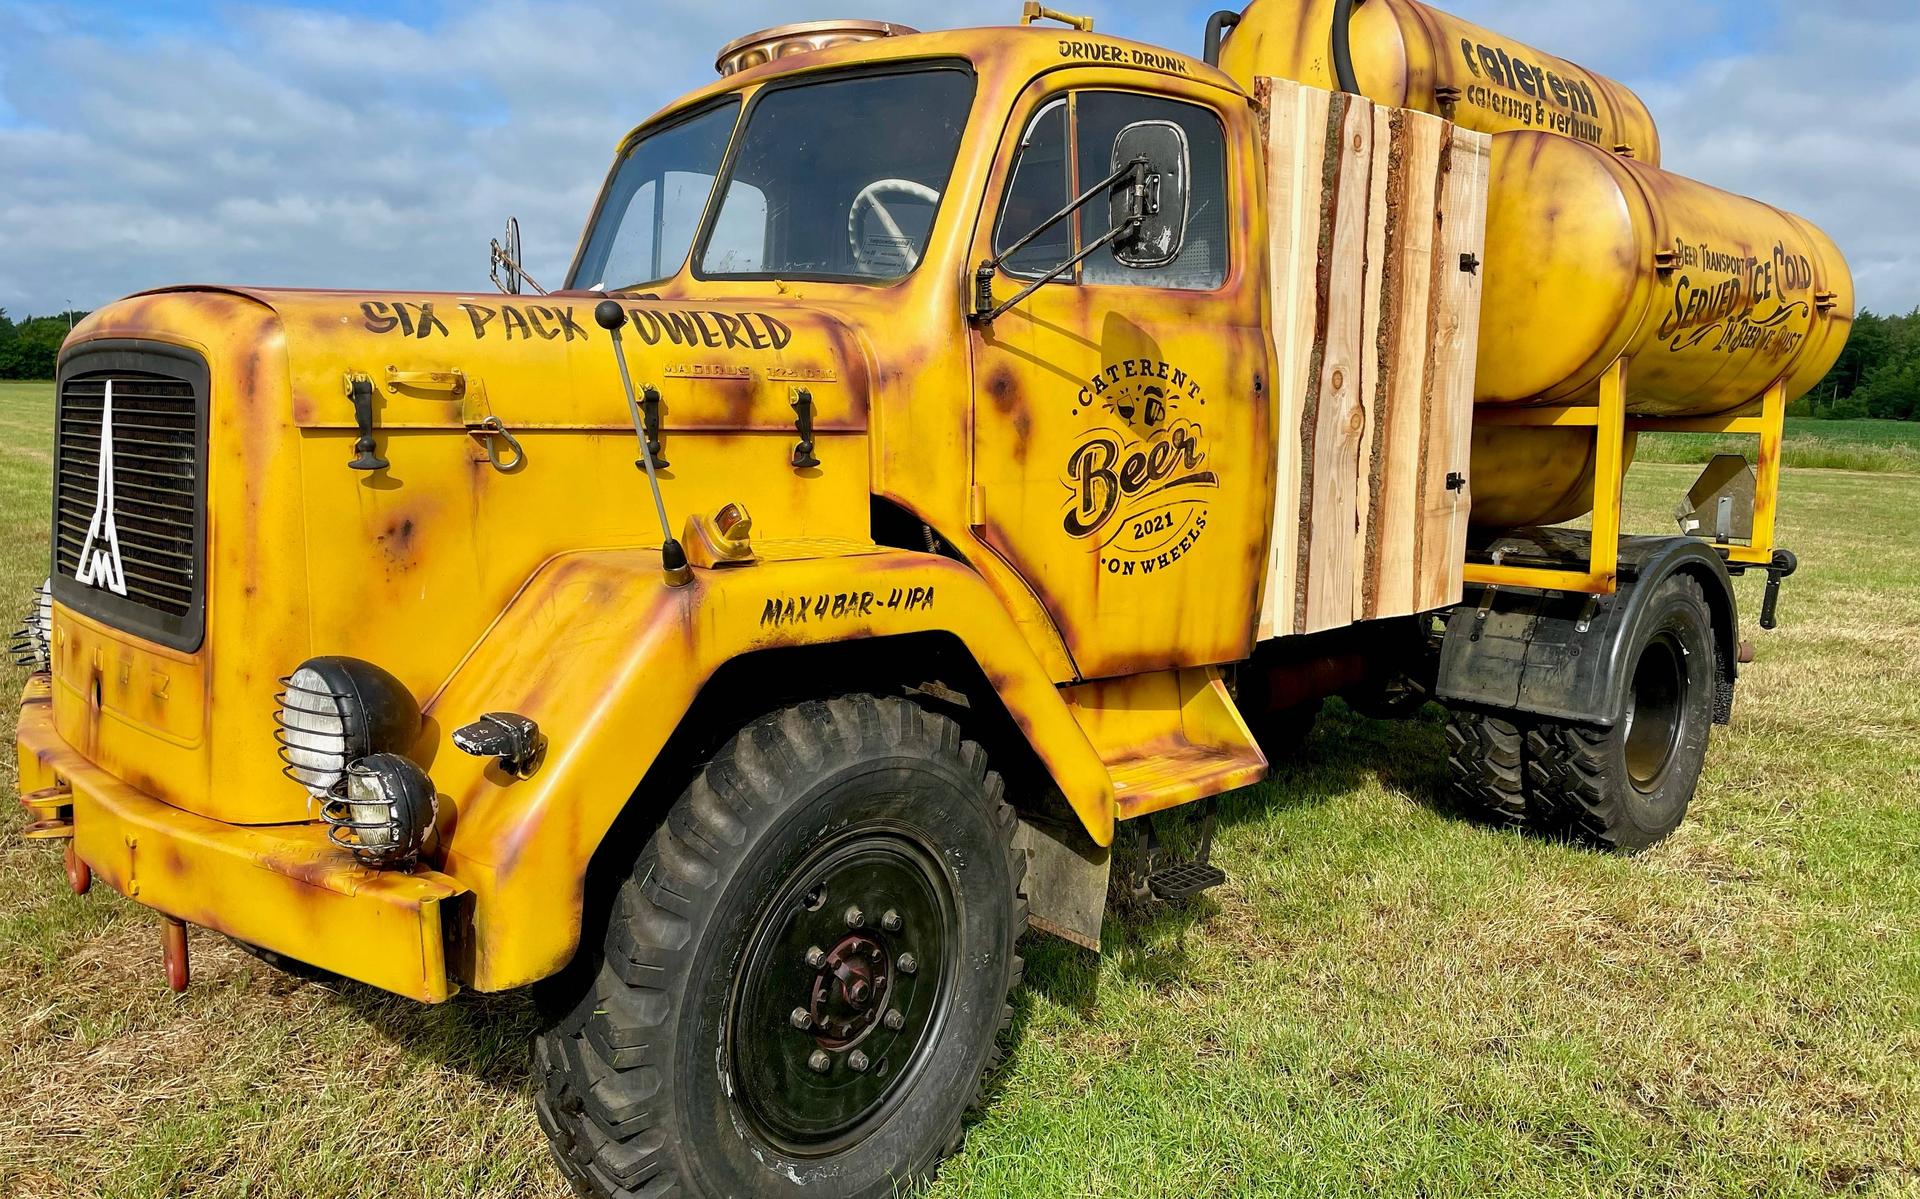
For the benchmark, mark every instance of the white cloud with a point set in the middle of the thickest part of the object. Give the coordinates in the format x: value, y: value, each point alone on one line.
x: 310, y: 148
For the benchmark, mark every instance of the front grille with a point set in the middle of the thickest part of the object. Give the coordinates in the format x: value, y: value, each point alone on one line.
x: 141, y: 569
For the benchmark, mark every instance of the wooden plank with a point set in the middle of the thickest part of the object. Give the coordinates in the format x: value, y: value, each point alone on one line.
x: 1397, y: 461
x: 1376, y: 366
x: 1334, y: 420
x: 1294, y: 129
x: 1456, y: 351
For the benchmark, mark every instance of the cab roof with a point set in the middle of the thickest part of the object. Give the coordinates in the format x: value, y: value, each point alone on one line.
x: 1013, y: 54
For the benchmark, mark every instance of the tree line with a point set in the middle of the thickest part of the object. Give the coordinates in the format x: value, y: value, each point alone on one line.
x: 1878, y: 374
x: 29, y: 348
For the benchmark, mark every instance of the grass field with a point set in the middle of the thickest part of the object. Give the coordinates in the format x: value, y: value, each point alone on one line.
x: 1386, y: 1000
x: 1865, y: 445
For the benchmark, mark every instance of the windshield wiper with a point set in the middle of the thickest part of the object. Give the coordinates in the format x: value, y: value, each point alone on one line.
x: 985, y: 310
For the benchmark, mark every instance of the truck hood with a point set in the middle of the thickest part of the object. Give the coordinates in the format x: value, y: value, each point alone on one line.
x: 448, y: 359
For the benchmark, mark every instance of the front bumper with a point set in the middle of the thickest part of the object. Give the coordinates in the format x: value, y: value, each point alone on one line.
x: 282, y: 887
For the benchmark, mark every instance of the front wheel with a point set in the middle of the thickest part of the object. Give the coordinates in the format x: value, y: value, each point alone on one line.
x: 805, y: 975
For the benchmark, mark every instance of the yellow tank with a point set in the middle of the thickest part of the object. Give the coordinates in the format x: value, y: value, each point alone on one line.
x: 1711, y: 297
x: 1590, y: 258
x: 1411, y: 56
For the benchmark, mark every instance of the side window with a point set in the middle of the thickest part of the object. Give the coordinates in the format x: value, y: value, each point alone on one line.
x: 1040, y: 187
x: 1202, y: 266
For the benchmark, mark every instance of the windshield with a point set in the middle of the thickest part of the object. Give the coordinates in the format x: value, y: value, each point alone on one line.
x: 833, y: 179
x: 839, y: 179
x: 653, y: 207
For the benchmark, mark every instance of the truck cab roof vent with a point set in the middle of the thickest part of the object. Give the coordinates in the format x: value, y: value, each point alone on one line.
x: 804, y: 37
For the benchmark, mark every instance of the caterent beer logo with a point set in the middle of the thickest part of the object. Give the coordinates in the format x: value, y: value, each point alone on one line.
x: 1138, y: 483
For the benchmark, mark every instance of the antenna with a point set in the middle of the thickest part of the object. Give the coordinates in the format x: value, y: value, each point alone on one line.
x: 673, y: 559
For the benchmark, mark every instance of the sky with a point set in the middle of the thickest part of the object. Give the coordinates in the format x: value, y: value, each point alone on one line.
x: 382, y: 143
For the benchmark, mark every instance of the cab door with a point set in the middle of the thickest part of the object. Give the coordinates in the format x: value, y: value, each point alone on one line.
x: 1122, y: 448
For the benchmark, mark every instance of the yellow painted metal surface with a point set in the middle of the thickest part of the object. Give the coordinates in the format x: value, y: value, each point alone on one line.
x: 1409, y: 55
x: 283, y: 887
x: 608, y: 658
x: 1122, y: 446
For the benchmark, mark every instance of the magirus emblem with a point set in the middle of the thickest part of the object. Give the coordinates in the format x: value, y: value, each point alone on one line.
x: 100, y: 564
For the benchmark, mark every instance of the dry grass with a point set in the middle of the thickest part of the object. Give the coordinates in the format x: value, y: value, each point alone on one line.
x: 1387, y: 999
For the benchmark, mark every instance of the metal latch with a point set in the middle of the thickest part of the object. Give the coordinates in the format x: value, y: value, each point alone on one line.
x: 803, y: 455
x: 360, y: 392
x: 488, y: 431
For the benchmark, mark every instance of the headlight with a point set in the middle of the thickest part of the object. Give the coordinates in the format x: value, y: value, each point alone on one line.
x: 386, y: 813
x: 33, y: 641
x: 336, y: 710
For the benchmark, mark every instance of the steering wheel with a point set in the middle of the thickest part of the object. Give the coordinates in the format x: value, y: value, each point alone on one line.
x: 870, y: 197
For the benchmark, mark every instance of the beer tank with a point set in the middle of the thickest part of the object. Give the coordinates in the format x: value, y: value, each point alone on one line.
x: 1593, y: 253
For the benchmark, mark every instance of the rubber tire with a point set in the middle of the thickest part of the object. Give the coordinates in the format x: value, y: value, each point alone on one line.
x: 1578, y: 774
x: 630, y: 1095
x: 1487, y: 768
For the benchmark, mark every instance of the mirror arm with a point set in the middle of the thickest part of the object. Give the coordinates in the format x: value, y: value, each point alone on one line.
x: 986, y: 280
x: 502, y: 258
x: 984, y: 308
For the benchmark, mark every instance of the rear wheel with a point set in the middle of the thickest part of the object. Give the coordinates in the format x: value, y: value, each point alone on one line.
x: 1629, y: 787
x: 804, y: 978
x: 1486, y: 765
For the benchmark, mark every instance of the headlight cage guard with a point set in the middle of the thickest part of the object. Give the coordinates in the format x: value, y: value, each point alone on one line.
x: 32, y: 643
x: 409, y: 829
x: 353, y: 729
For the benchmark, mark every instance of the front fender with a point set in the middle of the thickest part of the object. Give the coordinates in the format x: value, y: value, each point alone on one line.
x: 608, y: 659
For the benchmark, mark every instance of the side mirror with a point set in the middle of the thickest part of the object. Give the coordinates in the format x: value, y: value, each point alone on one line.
x: 506, y: 260
x: 1152, y: 200
x: 507, y: 273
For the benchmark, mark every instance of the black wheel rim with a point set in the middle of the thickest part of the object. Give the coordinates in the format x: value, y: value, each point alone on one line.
x: 843, y: 990
x: 1656, y: 712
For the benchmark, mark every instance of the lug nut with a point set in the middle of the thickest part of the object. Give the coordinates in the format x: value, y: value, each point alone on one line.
x: 819, y: 1063
x: 857, y: 1062
x: 890, y: 921
x: 894, y: 1020
x: 855, y: 917
x: 908, y: 963
x: 816, y: 957
x: 802, y: 1019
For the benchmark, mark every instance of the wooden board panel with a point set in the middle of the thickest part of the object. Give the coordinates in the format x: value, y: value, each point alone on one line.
x: 1294, y: 129
x: 1456, y: 349
x: 1333, y: 420
x: 1375, y: 335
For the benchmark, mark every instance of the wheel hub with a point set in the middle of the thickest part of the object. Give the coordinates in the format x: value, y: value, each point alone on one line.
x: 1655, y: 716
x: 843, y: 990
x: 849, y: 991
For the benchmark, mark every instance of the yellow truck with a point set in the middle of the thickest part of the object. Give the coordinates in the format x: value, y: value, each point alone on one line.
x: 946, y: 451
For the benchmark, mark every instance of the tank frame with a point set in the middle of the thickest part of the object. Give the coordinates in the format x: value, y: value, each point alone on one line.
x: 1609, y: 420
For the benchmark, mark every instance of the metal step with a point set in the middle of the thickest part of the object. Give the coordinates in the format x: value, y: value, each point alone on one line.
x: 1184, y: 880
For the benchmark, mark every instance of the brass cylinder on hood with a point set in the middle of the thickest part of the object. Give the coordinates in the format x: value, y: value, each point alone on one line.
x: 801, y: 37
